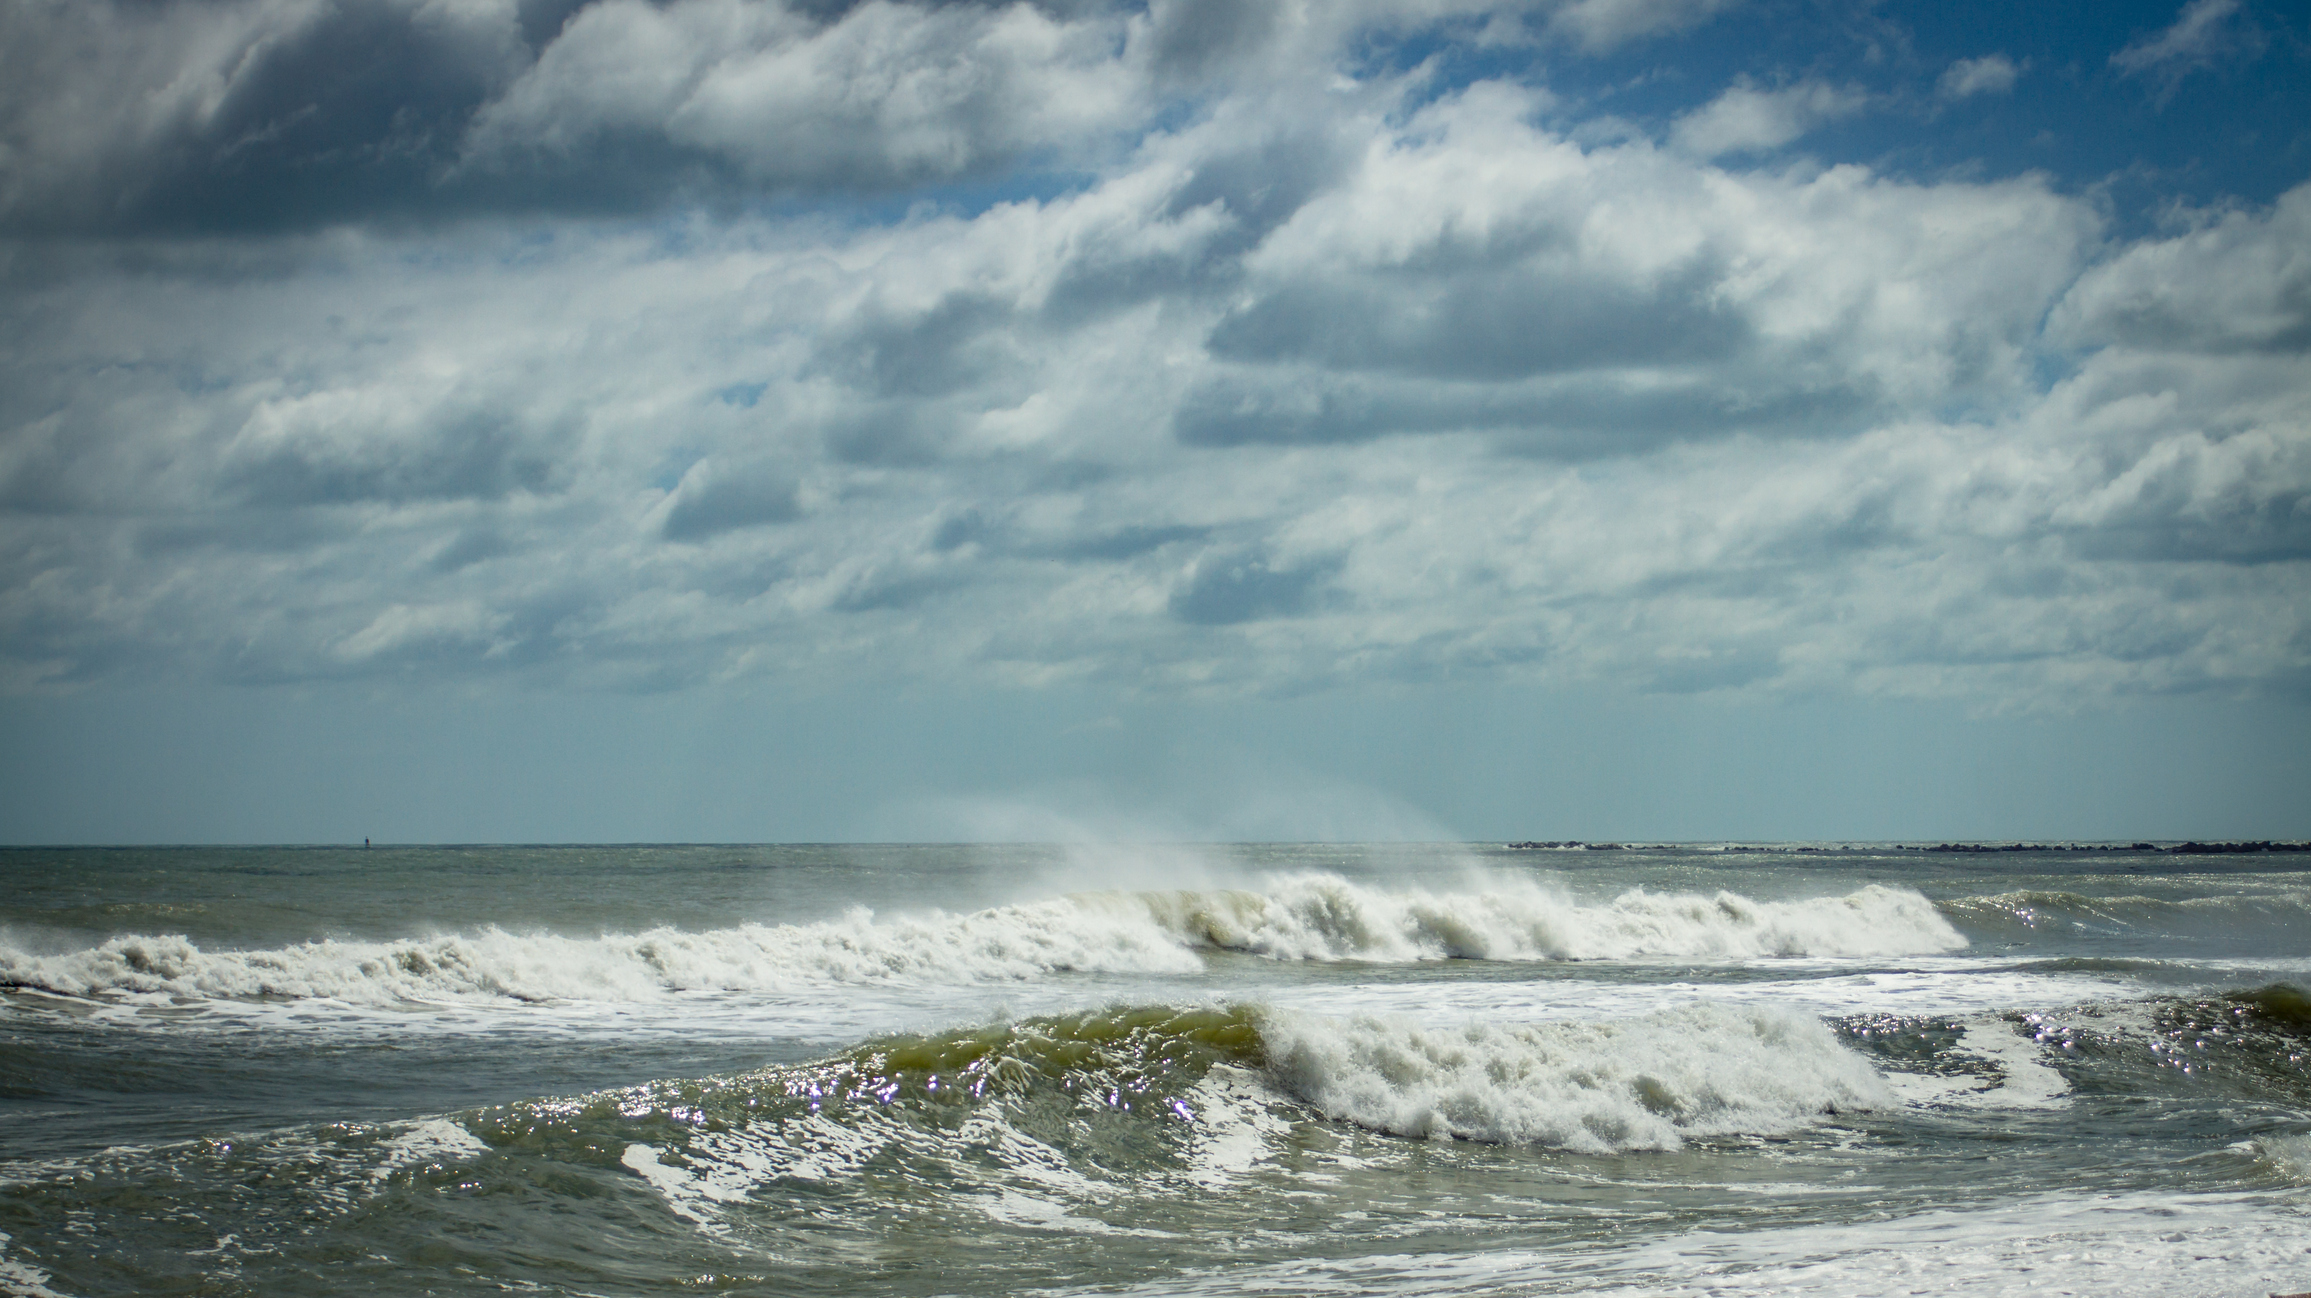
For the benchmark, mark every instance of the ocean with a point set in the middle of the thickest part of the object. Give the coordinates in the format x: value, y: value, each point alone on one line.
x: 1239, y: 1069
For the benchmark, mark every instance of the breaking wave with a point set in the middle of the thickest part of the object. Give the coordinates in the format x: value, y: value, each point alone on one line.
x: 1649, y: 1083
x: 1324, y: 917
x: 1296, y: 917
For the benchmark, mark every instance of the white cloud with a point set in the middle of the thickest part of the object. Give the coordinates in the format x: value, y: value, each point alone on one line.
x: 2239, y: 284
x: 400, y: 629
x: 881, y: 95
x: 1992, y: 74
x: 1746, y: 119
x: 1325, y: 381
x: 1607, y: 24
x: 2202, y: 35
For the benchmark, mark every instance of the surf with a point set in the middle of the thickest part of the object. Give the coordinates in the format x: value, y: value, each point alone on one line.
x: 1307, y: 916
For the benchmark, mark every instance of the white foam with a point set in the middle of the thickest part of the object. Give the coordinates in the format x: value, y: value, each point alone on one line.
x: 1309, y: 916
x: 1235, y: 1130
x: 432, y: 1140
x: 1648, y: 1083
x: 1935, y: 986
x: 2289, y: 1156
x: 1321, y: 916
x: 2024, y: 1080
x: 20, y: 1279
x: 2110, y: 1246
x: 494, y: 965
x: 1020, y: 1182
x: 687, y: 1192
x: 2193, y: 1244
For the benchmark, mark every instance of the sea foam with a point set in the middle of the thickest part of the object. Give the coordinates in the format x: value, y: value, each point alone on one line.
x: 1318, y: 916
x: 1647, y: 1083
x: 1309, y: 916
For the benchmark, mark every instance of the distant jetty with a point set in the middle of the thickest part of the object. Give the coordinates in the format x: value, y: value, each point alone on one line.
x: 2193, y: 848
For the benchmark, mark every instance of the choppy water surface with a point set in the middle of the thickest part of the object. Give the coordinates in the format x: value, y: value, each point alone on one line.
x: 1252, y: 1069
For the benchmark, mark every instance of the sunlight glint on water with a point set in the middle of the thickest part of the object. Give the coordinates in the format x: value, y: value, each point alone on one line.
x: 991, y: 1070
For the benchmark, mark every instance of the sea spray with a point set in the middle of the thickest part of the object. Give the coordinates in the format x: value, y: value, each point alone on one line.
x: 1648, y: 1083
x: 1261, y: 1113
x: 1321, y: 916
x: 1303, y: 916
x: 1010, y: 942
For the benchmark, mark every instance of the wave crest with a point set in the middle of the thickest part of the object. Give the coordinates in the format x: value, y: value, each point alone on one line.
x: 1649, y: 1083
x: 1294, y: 917
x: 1318, y: 916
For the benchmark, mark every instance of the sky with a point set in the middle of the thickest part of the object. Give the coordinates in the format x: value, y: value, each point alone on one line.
x: 802, y: 420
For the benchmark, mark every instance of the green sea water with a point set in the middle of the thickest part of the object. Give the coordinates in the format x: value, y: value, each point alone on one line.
x: 1275, y: 1069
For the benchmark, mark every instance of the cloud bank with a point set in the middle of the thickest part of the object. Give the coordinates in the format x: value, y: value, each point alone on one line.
x: 1184, y: 348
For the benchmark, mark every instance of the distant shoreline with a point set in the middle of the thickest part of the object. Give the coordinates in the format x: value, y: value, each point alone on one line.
x: 2188, y: 848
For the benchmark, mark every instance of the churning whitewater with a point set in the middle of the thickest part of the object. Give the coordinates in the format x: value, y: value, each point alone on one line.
x: 1391, y: 1070
x: 1301, y: 916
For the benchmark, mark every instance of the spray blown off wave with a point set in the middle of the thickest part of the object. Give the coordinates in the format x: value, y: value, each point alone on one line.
x: 1297, y: 917
x: 1011, y: 942
x: 1317, y: 916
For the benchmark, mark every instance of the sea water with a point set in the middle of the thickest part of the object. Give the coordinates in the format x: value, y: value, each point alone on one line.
x: 1250, y: 1069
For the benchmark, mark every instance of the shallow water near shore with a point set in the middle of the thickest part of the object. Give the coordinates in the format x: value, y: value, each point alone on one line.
x: 1275, y: 1069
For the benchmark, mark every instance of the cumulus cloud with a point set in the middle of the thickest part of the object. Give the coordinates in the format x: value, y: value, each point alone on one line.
x: 241, y: 114
x: 175, y: 116
x: 1992, y: 74
x: 882, y: 95
x: 1225, y: 587
x: 284, y: 114
x: 713, y: 498
x: 1606, y: 24
x: 1478, y: 274
x: 1308, y: 375
x: 1747, y: 119
x: 2241, y: 283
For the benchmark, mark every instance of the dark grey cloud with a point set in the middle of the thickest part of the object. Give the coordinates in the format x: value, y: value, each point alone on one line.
x: 1294, y: 381
x: 958, y: 341
x: 452, y: 456
x: 1260, y: 182
x: 128, y: 117
x: 261, y: 531
x: 714, y: 498
x: 1190, y: 39
x: 891, y: 433
x: 966, y: 528
x: 1230, y: 586
x: 189, y: 116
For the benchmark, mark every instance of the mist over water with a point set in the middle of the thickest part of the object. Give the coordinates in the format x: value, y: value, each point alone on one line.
x: 1175, y: 1069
